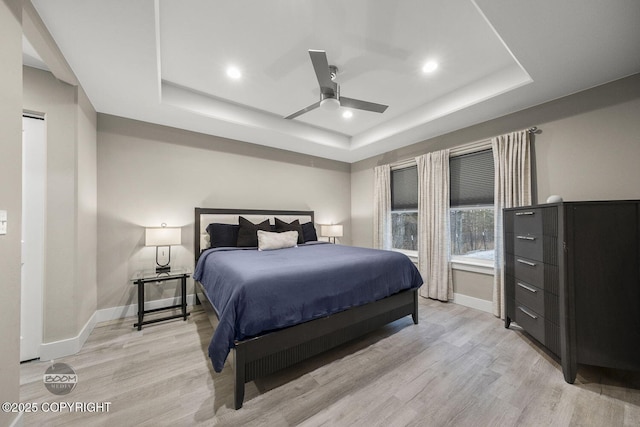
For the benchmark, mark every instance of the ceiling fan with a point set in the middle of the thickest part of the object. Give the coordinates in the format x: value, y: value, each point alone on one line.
x: 330, y: 90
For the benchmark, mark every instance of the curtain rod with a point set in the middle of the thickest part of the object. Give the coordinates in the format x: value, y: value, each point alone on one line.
x: 456, y: 151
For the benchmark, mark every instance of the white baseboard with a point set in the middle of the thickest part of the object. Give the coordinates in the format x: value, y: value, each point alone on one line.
x: 477, y: 303
x: 58, y: 349
x: 67, y: 347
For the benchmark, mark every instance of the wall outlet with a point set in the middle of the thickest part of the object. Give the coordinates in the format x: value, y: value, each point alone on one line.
x: 3, y: 222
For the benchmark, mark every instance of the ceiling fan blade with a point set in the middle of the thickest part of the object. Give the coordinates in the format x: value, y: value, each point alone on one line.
x: 321, y: 66
x: 304, y: 110
x: 362, y: 105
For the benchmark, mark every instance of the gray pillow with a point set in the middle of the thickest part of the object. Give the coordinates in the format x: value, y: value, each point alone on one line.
x: 223, y: 235
x: 292, y: 226
x: 247, y: 234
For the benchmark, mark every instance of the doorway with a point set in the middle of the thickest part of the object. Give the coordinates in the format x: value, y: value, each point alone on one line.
x: 34, y: 179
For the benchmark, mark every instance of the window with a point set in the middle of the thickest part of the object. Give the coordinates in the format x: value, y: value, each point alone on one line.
x: 472, y: 207
x: 472, y: 232
x: 404, y: 209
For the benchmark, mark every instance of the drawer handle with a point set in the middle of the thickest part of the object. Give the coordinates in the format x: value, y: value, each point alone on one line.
x: 529, y: 263
x: 525, y: 213
x: 525, y: 238
x: 533, y: 316
x: 529, y: 288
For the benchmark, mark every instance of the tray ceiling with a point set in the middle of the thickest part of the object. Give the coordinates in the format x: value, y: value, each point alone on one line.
x: 166, y: 62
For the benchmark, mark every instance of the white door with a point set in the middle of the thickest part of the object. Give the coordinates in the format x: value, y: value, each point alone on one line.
x: 34, y: 168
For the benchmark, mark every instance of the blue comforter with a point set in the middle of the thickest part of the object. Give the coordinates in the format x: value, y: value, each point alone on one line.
x: 258, y: 291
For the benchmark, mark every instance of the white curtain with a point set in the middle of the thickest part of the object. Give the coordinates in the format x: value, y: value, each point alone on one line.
x: 382, y: 207
x: 433, y: 225
x: 512, y: 161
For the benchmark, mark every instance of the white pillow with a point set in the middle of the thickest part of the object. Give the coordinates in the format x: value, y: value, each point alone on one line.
x: 268, y: 241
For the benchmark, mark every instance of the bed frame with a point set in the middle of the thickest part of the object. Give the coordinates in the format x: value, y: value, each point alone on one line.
x: 265, y: 354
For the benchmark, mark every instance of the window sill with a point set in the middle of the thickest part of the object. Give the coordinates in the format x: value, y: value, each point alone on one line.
x: 458, y: 263
x: 473, y: 265
x: 413, y: 255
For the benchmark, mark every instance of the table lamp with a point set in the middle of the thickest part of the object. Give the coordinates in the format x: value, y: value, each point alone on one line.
x: 333, y: 230
x: 163, y: 237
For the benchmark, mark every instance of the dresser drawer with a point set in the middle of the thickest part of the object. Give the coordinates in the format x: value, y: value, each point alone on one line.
x: 541, y: 275
x: 529, y: 271
x: 530, y: 296
x: 547, y: 333
x: 527, y: 221
x: 528, y: 246
x: 531, y: 321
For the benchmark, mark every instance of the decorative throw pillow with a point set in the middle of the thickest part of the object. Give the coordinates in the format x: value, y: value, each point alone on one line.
x: 309, y: 232
x: 223, y: 235
x: 292, y: 226
x: 268, y: 241
x: 247, y: 234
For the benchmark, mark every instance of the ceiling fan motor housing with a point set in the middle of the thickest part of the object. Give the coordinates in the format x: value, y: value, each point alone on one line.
x: 330, y: 99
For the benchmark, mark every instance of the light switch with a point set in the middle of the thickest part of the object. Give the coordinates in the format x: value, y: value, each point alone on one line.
x: 3, y: 222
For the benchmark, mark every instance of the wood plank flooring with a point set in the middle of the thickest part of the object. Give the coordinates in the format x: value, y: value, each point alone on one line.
x: 458, y: 367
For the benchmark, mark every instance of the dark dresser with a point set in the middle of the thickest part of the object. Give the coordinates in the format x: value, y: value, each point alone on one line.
x: 572, y: 280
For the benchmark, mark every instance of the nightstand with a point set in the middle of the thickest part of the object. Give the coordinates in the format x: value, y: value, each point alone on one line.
x: 140, y: 278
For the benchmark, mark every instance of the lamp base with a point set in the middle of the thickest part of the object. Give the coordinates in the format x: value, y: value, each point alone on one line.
x: 163, y: 269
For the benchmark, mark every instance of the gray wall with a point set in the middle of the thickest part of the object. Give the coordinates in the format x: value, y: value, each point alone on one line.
x: 473, y: 285
x: 150, y: 174
x: 86, y: 209
x: 70, y: 295
x: 10, y: 200
x: 588, y: 149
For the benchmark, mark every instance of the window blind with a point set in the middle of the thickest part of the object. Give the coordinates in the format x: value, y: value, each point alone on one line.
x: 472, y: 179
x: 404, y: 189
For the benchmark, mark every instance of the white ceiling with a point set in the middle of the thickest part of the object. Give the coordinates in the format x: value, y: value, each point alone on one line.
x: 165, y: 62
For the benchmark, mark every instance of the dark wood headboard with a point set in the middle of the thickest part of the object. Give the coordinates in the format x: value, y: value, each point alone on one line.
x: 205, y: 216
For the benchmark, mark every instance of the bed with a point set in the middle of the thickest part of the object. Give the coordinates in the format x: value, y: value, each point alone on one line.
x: 273, y: 309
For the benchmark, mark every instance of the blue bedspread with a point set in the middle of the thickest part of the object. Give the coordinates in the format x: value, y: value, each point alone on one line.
x: 257, y: 291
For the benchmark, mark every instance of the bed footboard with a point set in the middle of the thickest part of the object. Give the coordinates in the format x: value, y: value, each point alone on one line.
x: 269, y: 353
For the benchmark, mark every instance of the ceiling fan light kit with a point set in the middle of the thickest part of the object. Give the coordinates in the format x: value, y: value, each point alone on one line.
x: 330, y: 104
x: 330, y: 98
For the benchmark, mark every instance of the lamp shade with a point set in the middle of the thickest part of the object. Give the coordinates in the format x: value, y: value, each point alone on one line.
x: 333, y: 230
x: 162, y: 236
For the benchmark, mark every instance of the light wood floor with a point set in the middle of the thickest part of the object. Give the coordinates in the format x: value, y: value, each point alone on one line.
x: 458, y: 367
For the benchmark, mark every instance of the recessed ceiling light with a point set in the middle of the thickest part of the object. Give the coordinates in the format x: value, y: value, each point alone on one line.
x: 347, y: 114
x: 234, y: 73
x: 429, y: 67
